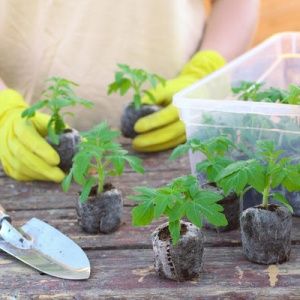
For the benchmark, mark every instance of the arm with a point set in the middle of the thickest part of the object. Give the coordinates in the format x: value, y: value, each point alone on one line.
x: 230, y: 27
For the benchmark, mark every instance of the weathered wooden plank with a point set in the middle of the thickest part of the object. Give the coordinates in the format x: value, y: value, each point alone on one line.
x: 42, y: 195
x: 127, y: 236
x: 130, y: 274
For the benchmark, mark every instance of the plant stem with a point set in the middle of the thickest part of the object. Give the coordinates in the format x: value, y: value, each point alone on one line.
x: 266, y: 193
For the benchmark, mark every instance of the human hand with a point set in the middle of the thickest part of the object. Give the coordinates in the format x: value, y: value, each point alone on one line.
x: 24, y: 153
x: 163, y: 130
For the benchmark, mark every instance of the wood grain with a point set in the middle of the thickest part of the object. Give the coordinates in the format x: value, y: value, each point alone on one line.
x: 130, y: 274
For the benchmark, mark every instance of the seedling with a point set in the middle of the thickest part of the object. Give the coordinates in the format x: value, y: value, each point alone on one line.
x: 99, y: 150
x: 253, y: 91
x: 127, y: 78
x: 181, y: 198
x: 58, y: 95
x: 266, y: 172
x: 214, y: 150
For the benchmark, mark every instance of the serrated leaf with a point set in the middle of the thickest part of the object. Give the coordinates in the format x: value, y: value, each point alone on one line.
x: 235, y: 182
x: 179, y: 151
x: 161, y: 203
x: 232, y: 168
x: 256, y: 176
x: 193, y: 214
x: 118, y: 163
x: 291, y: 181
x: 143, y: 214
x: 278, y: 175
x: 135, y: 163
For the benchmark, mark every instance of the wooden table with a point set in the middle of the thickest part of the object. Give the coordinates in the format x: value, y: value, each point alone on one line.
x: 122, y: 262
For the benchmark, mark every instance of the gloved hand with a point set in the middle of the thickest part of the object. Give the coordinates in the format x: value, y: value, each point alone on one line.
x: 163, y: 130
x: 24, y: 153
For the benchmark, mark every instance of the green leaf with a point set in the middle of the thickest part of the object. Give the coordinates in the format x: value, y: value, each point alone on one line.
x: 234, y: 182
x: 193, y: 214
x: 118, y: 163
x: 30, y: 112
x: 233, y: 168
x: 67, y: 182
x: 279, y: 197
x: 86, y: 189
x: 124, y: 86
x: 256, y: 176
x: 135, y: 163
x: 143, y: 214
x: 291, y: 181
x: 174, y: 228
x: 179, y: 151
x: 150, y: 96
x: 161, y: 203
x: 278, y: 174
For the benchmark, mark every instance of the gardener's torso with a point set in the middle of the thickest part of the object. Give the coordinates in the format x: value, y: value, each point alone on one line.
x: 83, y: 40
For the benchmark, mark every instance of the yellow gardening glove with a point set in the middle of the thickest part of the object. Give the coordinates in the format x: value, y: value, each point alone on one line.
x: 24, y: 153
x: 163, y: 130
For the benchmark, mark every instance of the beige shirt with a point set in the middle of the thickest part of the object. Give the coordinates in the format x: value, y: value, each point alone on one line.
x: 83, y: 40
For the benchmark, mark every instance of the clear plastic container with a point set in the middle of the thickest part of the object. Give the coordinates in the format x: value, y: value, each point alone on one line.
x: 209, y: 108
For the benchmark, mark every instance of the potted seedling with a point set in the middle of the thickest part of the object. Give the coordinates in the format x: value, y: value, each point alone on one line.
x: 58, y: 96
x: 265, y: 228
x: 100, y: 204
x: 130, y: 79
x: 214, y: 159
x: 177, y: 244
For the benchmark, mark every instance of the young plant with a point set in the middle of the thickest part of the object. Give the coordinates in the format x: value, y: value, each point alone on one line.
x: 98, y: 150
x: 266, y: 172
x: 128, y: 78
x: 253, y: 91
x: 181, y: 198
x: 58, y: 95
x: 214, y: 150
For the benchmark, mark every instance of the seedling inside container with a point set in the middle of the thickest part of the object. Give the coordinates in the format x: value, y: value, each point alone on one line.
x: 130, y: 79
x: 253, y: 91
x: 100, y: 204
x: 58, y: 96
x: 214, y: 152
x: 178, y: 245
x: 266, y: 228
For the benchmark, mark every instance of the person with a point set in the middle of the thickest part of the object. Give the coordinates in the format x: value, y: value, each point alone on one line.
x: 83, y: 40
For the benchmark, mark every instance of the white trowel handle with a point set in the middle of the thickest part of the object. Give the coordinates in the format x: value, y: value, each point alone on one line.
x: 3, y: 216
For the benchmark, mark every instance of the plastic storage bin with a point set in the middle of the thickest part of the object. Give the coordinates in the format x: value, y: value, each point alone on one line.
x: 209, y: 108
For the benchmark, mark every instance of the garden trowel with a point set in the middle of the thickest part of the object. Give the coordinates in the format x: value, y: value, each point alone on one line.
x: 44, y: 248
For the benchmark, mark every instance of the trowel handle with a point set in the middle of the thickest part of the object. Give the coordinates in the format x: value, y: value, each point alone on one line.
x: 3, y: 216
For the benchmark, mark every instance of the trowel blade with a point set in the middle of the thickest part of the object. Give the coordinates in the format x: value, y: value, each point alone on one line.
x: 50, y: 251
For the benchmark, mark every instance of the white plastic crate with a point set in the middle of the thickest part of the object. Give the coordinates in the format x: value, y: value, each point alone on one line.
x: 209, y: 108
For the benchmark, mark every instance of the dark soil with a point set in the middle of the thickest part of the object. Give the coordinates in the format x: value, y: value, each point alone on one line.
x: 101, y: 213
x: 266, y: 234
x: 67, y: 148
x: 131, y: 115
x: 182, y: 261
x: 231, y: 205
